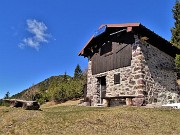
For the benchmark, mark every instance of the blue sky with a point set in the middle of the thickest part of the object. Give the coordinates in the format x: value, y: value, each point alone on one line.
x: 41, y: 38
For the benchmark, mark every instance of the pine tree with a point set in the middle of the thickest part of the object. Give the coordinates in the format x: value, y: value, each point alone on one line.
x: 7, y: 95
x: 65, y: 79
x: 77, y: 72
x: 176, y: 29
x: 175, y: 39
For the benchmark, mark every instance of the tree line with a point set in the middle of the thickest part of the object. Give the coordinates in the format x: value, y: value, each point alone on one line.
x: 56, y: 88
x: 63, y: 88
x: 175, y: 39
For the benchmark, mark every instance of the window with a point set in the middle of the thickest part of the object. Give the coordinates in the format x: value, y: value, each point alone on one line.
x: 117, y: 78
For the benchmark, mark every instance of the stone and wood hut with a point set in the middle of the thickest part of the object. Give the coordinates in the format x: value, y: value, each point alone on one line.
x: 130, y: 61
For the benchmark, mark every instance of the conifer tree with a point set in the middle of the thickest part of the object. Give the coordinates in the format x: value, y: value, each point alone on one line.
x: 65, y: 77
x: 77, y: 72
x: 7, y: 95
x: 175, y: 39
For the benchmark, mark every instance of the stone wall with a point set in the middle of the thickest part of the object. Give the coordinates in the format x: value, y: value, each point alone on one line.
x: 159, y: 76
x: 150, y: 74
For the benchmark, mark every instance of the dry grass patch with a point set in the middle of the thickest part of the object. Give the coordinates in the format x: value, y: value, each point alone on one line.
x: 54, y: 104
x: 73, y: 120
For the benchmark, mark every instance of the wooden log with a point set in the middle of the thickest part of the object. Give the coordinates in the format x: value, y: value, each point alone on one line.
x: 27, y: 105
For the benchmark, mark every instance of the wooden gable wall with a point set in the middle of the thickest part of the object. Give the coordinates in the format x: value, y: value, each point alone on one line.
x: 112, y: 55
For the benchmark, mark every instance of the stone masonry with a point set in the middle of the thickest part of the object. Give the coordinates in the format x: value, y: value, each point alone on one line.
x: 150, y: 75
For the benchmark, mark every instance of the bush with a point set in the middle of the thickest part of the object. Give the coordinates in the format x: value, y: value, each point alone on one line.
x: 4, y: 104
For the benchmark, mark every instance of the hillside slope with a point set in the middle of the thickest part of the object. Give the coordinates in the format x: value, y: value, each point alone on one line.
x: 62, y: 87
x: 44, y: 86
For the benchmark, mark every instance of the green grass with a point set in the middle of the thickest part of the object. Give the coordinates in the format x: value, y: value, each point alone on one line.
x: 73, y: 120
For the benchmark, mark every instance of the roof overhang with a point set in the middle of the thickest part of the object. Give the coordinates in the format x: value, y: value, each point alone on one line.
x: 137, y: 28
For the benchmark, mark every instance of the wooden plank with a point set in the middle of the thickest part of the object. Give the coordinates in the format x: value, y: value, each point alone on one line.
x: 120, y: 97
x: 120, y: 56
x: 28, y: 105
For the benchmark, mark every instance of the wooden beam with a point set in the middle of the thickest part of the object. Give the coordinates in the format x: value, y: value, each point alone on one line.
x: 129, y: 29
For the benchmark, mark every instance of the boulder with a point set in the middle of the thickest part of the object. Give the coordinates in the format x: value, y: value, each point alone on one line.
x: 31, y: 105
x: 138, y: 101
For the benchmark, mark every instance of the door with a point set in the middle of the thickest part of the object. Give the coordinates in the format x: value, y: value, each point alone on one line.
x: 101, y: 88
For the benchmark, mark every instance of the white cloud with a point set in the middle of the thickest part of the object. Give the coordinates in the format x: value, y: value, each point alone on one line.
x: 38, y: 30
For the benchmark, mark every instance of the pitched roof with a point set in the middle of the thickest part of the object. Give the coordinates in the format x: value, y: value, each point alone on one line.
x: 137, y: 28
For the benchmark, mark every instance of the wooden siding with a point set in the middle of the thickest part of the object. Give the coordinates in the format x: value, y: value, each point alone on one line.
x: 111, y: 55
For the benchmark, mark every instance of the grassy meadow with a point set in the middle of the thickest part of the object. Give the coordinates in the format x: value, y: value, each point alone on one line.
x: 74, y: 120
